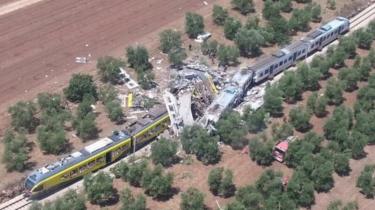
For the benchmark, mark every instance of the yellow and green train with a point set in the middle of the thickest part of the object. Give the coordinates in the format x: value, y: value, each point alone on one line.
x: 99, y: 154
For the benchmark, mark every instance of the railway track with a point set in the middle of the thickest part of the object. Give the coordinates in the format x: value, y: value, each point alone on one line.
x: 364, y: 15
x: 17, y: 203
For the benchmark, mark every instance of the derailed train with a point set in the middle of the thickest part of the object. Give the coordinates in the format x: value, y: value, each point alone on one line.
x: 112, y: 148
x: 271, y: 65
x: 99, y: 154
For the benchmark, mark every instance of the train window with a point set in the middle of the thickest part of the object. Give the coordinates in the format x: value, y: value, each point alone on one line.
x: 290, y: 58
x: 285, y: 61
x: 303, y: 51
x: 261, y: 74
x: 267, y: 71
x: 39, y: 188
x: 73, y: 172
x: 65, y: 176
x: 281, y: 63
x: 91, y: 164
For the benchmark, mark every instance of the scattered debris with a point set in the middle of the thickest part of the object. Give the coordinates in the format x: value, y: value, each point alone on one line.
x: 82, y: 60
x: 203, y: 37
x: 129, y: 82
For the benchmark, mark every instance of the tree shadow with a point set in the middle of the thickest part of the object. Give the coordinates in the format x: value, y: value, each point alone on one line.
x: 111, y: 201
x: 174, y: 191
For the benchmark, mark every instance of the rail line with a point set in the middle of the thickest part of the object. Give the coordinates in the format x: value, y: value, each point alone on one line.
x: 362, y: 16
x: 22, y: 202
x: 16, y: 203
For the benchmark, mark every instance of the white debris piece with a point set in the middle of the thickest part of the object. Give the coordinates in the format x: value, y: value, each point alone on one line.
x: 205, y: 3
x: 81, y: 60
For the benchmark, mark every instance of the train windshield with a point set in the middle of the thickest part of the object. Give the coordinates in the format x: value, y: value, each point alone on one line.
x: 29, y: 184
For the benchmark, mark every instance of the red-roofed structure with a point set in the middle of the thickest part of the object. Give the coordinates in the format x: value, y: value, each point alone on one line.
x: 280, y: 150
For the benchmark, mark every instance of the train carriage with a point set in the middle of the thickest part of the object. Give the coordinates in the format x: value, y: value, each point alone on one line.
x: 324, y: 35
x: 99, y: 154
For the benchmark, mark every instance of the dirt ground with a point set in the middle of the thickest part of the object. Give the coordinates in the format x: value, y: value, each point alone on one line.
x: 41, y: 41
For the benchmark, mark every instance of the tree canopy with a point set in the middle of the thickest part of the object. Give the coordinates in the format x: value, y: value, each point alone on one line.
x: 220, y: 182
x: 244, y: 6
x: 163, y: 152
x: 219, y: 14
x: 231, y: 129
x: 109, y: 69
x: 192, y: 199
x: 170, y: 39
x: 255, y: 120
x: 196, y: 140
x: 249, y: 41
x: 80, y: 85
x: 228, y: 55
x: 99, y: 188
x: 366, y: 181
x: 15, y: 152
x: 138, y: 59
x: 300, y: 119
x: 231, y: 27
x: 194, y: 24
x: 333, y: 92
x: 129, y: 202
x: 291, y: 87
x: 273, y: 101
x: 22, y: 114
x: 260, y: 150
x: 70, y: 200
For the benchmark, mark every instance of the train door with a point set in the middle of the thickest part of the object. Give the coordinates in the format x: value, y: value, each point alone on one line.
x: 108, y: 157
x: 271, y: 70
x: 295, y: 56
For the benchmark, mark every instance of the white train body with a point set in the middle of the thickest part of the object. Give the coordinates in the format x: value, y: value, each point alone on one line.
x: 269, y: 66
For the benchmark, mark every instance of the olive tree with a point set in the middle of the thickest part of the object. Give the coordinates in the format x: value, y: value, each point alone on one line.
x: 366, y: 181
x: 300, y: 119
x: 192, y: 199
x: 228, y: 55
x: 194, y: 24
x: 244, y: 6
x: 15, y: 152
x: 163, y: 152
x: 255, y: 119
x: 99, y: 188
x: 170, y: 39
x: 23, y: 116
x: 249, y: 41
x: 109, y: 69
x: 231, y: 27
x: 129, y: 202
x: 138, y: 58
x: 219, y: 14
x: 261, y: 151
x: 231, y: 130
x: 273, y: 101
x: 333, y: 92
x: 80, y: 85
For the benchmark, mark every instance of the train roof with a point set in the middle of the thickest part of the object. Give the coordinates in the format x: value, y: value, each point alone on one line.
x: 242, y: 76
x: 331, y: 25
x: 296, y: 45
x: 269, y: 59
x: 262, y: 62
x: 96, y: 147
x: 223, y: 100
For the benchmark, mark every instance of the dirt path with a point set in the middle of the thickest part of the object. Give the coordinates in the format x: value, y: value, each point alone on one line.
x: 13, y: 6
